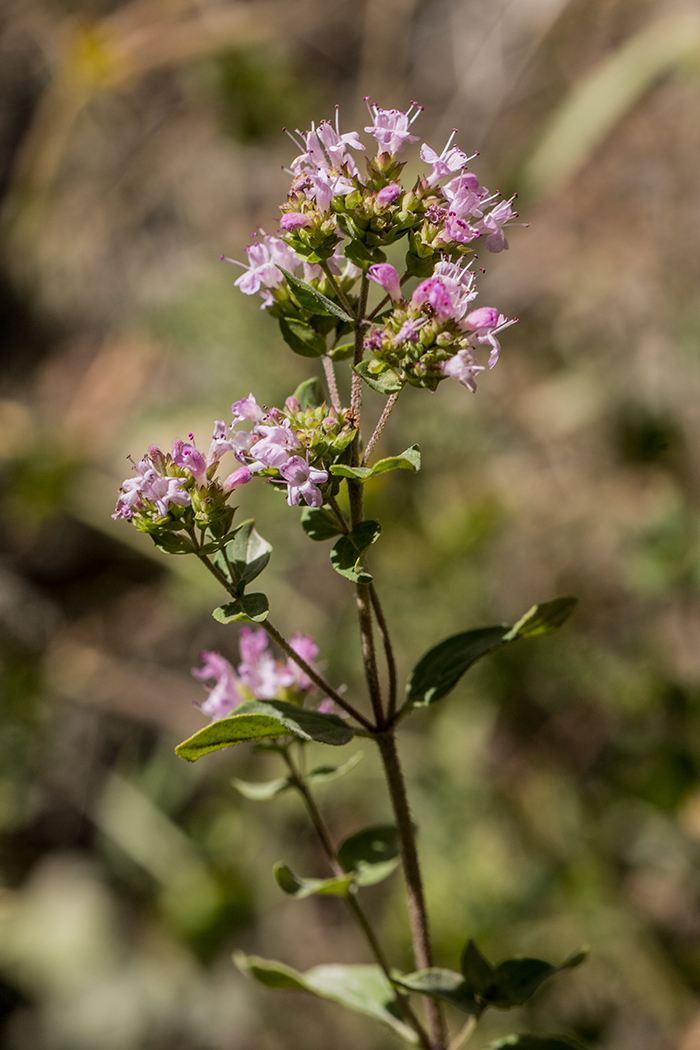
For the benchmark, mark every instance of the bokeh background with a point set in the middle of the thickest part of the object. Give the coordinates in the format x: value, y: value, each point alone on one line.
x: 557, y: 790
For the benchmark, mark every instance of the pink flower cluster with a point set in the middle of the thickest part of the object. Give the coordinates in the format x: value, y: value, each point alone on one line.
x: 447, y: 217
x: 271, y: 446
x: 258, y: 676
x: 442, y: 302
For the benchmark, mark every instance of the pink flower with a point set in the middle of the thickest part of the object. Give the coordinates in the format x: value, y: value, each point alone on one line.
x: 435, y: 294
x: 446, y: 163
x: 303, y: 480
x: 387, y: 276
x: 493, y: 223
x: 484, y: 317
x: 459, y: 282
x: 294, y: 220
x: 457, y: 230
x: 263, y: 259
x: 389, y: 194
x: 220, y: 442
x: 247, y: 408
x: 306, y: 648
x: 466, y: 195
x: 463, y: 367
x: 275, y: 446
x: 163, y: 491
x: 487, y: 335
x: 258, y: 669
x: 390, y: 127
x: 324, y: 186
x: 324, y: 147
x: 152, y: 485
x: 239, y: 477
x: 224, y: 697
x: 188, y: 456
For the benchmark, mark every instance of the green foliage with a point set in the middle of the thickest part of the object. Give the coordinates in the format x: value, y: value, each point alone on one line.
x: 437, y: 673
x: 481, y: 985
x: 346, y: 555
x: 386, y: 382
x: 302, y: 338
x: 262, y: 792
x: 251, y: 607
x: 309, y: 394
x: 364, y: 989
x: 309, y: 298
x: 319, y: 523
x: 260, y: 719
x: 301, y: 888
x: 246, y: 556
x: 408, y: 460
x: 372, y: 854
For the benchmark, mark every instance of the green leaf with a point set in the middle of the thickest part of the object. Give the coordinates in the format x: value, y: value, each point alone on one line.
x: 476, y: 969
x: 363, y: 988
x: 542, y: 619
x: 216, y: 545
x: 236, y: 729
x: 309, y: 725
x: 253, y: 607
x: 309, y: 394
x: 171, y: 543
x: 438, y: 672
x: 319, y: 524
x: 347, y: 552
x: 442, y: 984
x: 387, y: 382
x: 248, y: 554
x: 260, y: 719
x: 309, y: 298
x: 533, y: 1042
x: 373, y: 854
x: 516, y: 980
x: 324, y: 774
x: 342, y: 352
x: 261, y: 792
x: 358, y: 253
x: 300, y: 888
x: 302, y: 338
x: 408, y: 460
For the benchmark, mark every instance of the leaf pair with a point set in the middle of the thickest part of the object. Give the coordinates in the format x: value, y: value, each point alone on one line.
x: 241, y: 560
x: 265, y: 719
x: 346, y: 556
x: 368, y: 857
x: 480, y: 985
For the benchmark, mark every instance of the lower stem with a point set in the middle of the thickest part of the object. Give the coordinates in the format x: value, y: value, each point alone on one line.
x: 414, y: 884
x: 352, y: 901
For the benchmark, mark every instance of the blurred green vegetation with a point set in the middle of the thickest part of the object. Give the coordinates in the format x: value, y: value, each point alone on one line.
x: 557, y: 792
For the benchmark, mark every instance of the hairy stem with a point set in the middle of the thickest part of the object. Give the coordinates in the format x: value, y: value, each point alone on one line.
x: 356, y: 391
x: 388, y: 650
x: 354, y: 905
x: 383, y: 420
x: 414, y: 884
x: 369, y: 655
x: 332, y: 385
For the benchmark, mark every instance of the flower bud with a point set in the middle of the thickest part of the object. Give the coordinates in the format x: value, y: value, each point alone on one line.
x: 387, y: 276
x: 484, y: 317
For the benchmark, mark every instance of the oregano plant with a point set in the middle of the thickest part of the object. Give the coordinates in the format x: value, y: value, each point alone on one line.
x: 324, y: 278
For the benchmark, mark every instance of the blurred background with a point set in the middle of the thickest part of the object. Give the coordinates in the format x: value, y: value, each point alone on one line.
x: 557, y: 790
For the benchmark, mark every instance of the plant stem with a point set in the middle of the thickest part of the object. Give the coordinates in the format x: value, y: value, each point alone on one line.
x: 356, y: 393
x: 354, y: 905
x: 414, y: 883
x: 315, y: 677
x: 332, y: 385
x: 337, y: 289
x: 383, y: 420
x: 388, y: 650
x: 464, y: 1034
x: 369, y: 655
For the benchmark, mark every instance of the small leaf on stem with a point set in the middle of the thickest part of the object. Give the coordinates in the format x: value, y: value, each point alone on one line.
x: 301, y: 888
